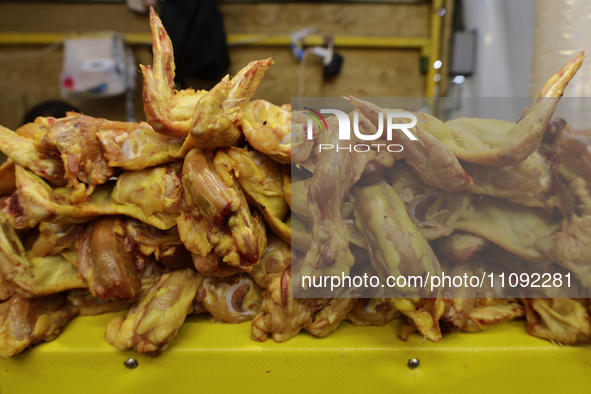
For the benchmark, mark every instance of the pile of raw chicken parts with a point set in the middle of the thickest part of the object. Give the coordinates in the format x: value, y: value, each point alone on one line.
x: 193, y: 212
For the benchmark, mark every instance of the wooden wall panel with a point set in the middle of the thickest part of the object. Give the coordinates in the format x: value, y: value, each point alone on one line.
x: 330, y: 18
x: 63, y: 18
x: 366, y: 72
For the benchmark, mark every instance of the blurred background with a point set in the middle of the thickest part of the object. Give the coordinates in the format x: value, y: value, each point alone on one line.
x: 88, y: 52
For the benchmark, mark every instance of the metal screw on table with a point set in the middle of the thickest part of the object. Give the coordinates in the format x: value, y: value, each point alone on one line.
x: 413, y: 363
x: 130, y: 363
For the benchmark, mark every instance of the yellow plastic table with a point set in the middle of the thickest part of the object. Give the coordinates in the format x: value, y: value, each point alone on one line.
x: 209, y: 357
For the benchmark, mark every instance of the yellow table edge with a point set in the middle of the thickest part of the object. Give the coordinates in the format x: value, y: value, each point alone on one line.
x: 211, y: 357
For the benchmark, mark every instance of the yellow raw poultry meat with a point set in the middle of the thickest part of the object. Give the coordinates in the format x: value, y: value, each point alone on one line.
x: 81, y: 148
x: 154, y: 321
x: 35, y: 201
x: 460, y: 246
x: 30, y: 275
x: 475, y: 309
x: 570, y: 246
x: 562, y: 320
x: 372, y: 312
x: 24, y: 152
x: 433, y: 162
x: 88, y: 305
x: 247, y: 229
x: 261, y: 179
x: 499, y: 310
x: 423, y: 315
x: 275, y: 260
x: 334, y: 175
x: 282, y: 316
x: 196, y: 212
x: 55, y: 237
x: 396, y: 246
x: 75, y: 137
x: 157, y: 190
x: 497, y: 143
x: 26, y: 321
x: 6, y: 290
x: 135, y: 146
x: 300, y: 233
x: 268, y: 129
x: 208, y: 120
x: 104, y: 263
x: 218, y: 217
x: 7, y: 178
x: 438, y: 213
x: 233, y: 299
x: 530, y: 182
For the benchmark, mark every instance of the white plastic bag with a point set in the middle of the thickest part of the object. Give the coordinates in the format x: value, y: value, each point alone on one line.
x: 94, y: 66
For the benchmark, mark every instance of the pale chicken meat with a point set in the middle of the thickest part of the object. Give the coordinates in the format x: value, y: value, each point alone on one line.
x: 334, y: 175
x: 299, y: 224
x: 217, y: 217
x: 437, y: 213
x: 30, y: 275
x: 6, y: 290
x: 570, y: 246
x: 75, y: 137
x: 268, y: 130
x: 34, y: 276
x: 156, y: 190
x: 283, y: 316
x: 247, y: 229
x: 71, y: 140
x: 261, y: 179
x: 561, y: 320
x: 233, y: 299
x: 327, y: 319
x: 530, y: 182
x: 213, y: 265
x: 476, y: 309
x: 197, y: 211
x: 498, y: 143
x: 208, y: 120
x: 205, y: 188
x: 105, y: 261
x: 35, y: 201
x: 299, y: 198
x: 84, y: 151
x: 165, y: 245
x: 154, y: 321
x: 218, y: 119
x: 460, y: 246
x: 423, y: 315
x: 135, y: 146
x: 88, y: 305
x: 489, y: 312
x: 275, y: 260
x: 7, y: 178
x: 372, y: 312
x: 28, y: 321
x: 433, y: 162
x: 56, y: 237
x: 394, y: 243
x: 45, y: 163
